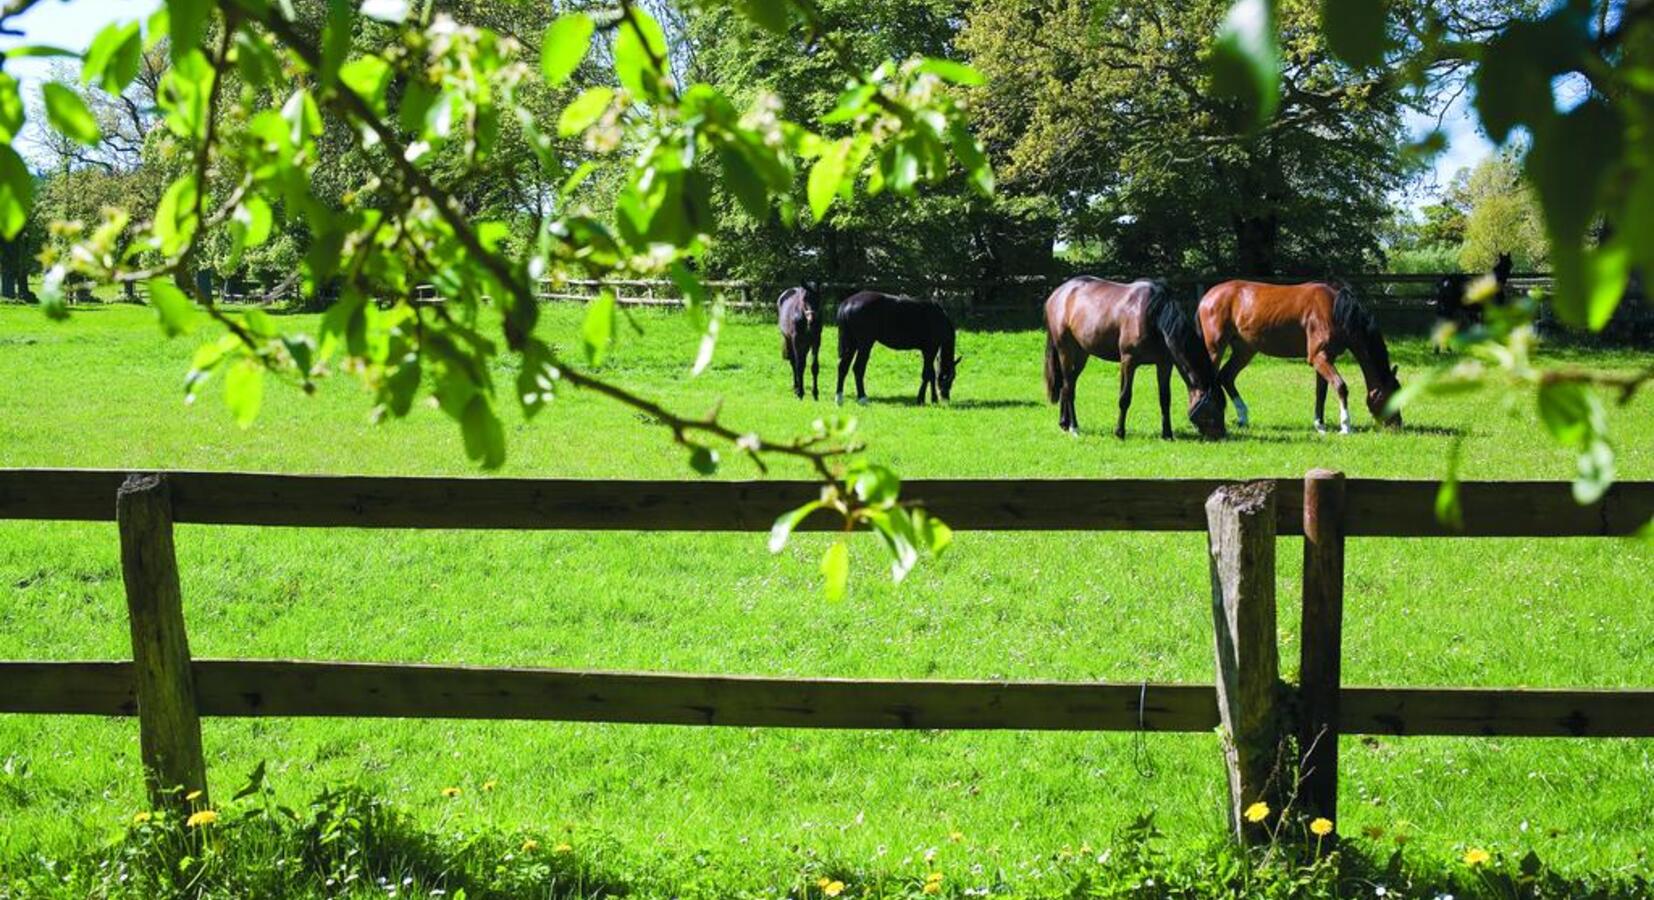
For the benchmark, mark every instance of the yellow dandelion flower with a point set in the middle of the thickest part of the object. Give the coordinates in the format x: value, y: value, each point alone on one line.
x: 142, y: 817
x: 1321, y: 827
x: 1257, y: 812
x: 530, y: 845
x: 933, y: 878
x: 1476, y: 856
x: 562, y: 848
x: 193, y: 796
x: 833, y: 888
x: 933, y: 887
x: 823, y: 881
x: 956, y: 836
x: 204, y: 817
x: 450, y: 792
x: 490, y: 784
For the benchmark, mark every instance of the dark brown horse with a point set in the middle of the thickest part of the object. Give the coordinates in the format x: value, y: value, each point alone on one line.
x: 1450, y: 302
x: 900, y: 323
x: 1134, y: 324
x: 1313, y: 321
x: 800, y: 318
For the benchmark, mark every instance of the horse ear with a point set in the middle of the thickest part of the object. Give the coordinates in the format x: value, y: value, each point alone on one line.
x: 1395, y: 371
x: 958, y: 359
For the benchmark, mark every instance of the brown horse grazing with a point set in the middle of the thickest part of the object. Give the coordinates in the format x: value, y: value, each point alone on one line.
x: 1133, y: 323
x: 1313, y: 321
x: 800, y: 318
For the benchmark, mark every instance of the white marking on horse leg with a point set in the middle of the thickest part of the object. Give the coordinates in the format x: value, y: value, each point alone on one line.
x: 1240, y: 412
x: 1320, y: 427
x: 1343, y: 417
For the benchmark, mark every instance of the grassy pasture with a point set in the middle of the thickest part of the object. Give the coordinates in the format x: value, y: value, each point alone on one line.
x: 103, y: 391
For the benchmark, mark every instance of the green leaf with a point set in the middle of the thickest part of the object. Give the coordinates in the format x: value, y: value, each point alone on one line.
x: 187, y: 21
x: 1449, y: 512
x: 69, y: 115
x: 1596, y: 472
x: 1608, y: 269
x: 875, y: 485
x: 174, y: 310
x: 16, y: 192
x: 255, y: 783
x: 1571, y: 413
x: 782, y: 530
x: 52, y: 301
x: 1245, y: 64
x: 584, y: 110
x: 1355, y: 30
x: 113, y: 59
x: 704, y: 460
x: 968, y: 150
x: 175, y: 215
x: 1513, y: 81
x: 564, y: 46
x: 835, y: 570
x: 772, y: 15
x: 244, y: 390
x: 369, y: 77
x: 743, y: 181
x: 597, y: 330
x: 934, y: 534
x: 484, y: 434
x: 639, y: 43
x: 826, y: 176
x: 250, y: 222
x: 948, y: 70
x: 11, y: 109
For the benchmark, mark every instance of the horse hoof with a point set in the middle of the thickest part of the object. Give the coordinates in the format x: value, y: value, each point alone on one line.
x: 1320, y: 429
x: 839, y: 399
x: 1344, y: 430
x: 862, y: 401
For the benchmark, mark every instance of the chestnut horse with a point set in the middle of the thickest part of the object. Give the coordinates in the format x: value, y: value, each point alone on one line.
x: 1313, y: 321
x: 1134, y: 324
x: 800, y: 318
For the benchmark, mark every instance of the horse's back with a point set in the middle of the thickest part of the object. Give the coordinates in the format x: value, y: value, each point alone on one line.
x: 1274, y: 319
x: 1103, y: 317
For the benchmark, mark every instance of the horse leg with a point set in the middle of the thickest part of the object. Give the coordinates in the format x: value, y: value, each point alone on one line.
x: 1071, y: 361
x: 862, y: 355
x: 1320, y: 403
x: 1127, y: 370
x: 846, y: 353
x: 927, y: 376
x: 815, y: 369
x: 1323, y: 368
x: 1163, y: 375
x: 795, y: 358
x: 1239, y: 356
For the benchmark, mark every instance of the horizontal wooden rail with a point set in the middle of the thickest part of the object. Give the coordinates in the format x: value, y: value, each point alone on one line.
x: 286, y: 688
x: 1375, y: 507
x: 243, y: 688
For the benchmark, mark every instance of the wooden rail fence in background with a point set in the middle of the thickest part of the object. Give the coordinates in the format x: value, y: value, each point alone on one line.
x: 1265, y: 722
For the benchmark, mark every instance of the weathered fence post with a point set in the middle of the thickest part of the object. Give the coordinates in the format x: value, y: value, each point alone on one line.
x: 1320, y: 656
x: 169, y: 728
x: 1240, y: 522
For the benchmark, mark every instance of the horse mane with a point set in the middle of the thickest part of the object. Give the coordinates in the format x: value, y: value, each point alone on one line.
x: 1355, y: 323
x: 1182, y: 338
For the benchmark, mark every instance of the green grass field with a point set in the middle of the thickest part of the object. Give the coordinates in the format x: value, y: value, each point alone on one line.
x: 104, y: 389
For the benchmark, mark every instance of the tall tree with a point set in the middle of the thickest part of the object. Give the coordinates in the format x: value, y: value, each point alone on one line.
x: 1107, y: 109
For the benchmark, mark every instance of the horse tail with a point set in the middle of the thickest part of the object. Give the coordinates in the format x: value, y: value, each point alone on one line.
x: 1053, y: 367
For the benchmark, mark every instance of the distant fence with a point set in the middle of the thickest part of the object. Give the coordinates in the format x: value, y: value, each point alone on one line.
x: 1262, y: 719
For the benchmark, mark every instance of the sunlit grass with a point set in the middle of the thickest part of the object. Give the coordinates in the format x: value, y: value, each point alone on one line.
x: 104, y: 390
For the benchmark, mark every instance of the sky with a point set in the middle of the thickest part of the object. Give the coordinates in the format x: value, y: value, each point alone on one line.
x: 73, y: 25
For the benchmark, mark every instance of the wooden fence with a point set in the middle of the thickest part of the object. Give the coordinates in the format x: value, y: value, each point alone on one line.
x: 1280, y: 741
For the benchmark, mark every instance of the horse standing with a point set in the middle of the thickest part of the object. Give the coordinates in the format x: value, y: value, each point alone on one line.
x: 1133, y: 324
x: 900, y: 323
x: 800, y: 318
x: 1449, y: 303
x: 1313, y: 321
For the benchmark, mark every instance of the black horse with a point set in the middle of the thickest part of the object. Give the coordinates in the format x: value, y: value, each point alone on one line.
x: 899, y: 323
x: 1449, y: 304
x: 800, y: 316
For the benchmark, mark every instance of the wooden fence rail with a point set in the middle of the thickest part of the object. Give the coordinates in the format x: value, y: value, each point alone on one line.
x: 1264, y: 721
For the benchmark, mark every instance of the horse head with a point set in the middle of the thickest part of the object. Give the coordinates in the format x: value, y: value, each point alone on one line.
x: 1206, y: 412
x: 944, y: 378
x: 1378, y: 398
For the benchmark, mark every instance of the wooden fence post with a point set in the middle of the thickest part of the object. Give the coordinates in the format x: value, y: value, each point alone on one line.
x: 1321, y: 657
x: 1240, y: 522
x: 169, y: 727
